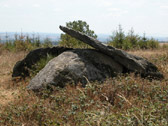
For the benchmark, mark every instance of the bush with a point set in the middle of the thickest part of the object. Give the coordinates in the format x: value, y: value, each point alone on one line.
x: 152, y: 44
x: 127, y: 45
x: 142, y: 45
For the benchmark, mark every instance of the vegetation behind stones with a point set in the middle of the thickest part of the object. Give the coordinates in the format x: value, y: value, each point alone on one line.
x: 118, y: 39
x: 131, y: 41
x: 25, y: 43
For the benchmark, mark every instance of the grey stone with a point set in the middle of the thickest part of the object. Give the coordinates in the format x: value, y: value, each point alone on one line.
x: 75, y: 66
x: 130, y: 62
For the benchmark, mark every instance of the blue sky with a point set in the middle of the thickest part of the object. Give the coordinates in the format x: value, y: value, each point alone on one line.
x: 103, y: 16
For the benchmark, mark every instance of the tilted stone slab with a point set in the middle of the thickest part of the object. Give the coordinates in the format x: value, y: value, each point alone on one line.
x: 130, y: 62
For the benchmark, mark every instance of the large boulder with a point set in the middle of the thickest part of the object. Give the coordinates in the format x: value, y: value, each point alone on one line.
x: 23, y: 67
x: 75, y: 66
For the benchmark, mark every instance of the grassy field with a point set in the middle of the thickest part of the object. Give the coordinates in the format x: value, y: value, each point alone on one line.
x: 122, y: 101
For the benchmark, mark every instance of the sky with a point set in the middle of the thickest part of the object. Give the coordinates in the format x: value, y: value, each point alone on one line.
x: 103, y: 16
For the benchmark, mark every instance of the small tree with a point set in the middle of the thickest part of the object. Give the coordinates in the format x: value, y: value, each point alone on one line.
x: 143, y: 42
x: 118, y: 37
x: 132, y: 39
x: 71, y: 42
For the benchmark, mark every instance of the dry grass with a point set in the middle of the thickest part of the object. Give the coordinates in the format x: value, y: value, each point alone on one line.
x: 148, y: 53
x: 164, y: 43
x: 125, y: 100
x: 7, y: 61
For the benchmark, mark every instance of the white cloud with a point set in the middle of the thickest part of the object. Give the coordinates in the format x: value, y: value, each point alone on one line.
x: 164, y: 6
x: 104, y: 3
x: 6, y: 6
x: 164, y: 9
x: 57, y: 9
x: 114, y: 9
x: 116, y: 12
x: 20, y: 5
x: 36, y: 5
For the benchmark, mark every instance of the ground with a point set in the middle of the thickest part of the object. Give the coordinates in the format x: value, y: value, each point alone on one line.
x: 7, y: 61
x: 125, y: 100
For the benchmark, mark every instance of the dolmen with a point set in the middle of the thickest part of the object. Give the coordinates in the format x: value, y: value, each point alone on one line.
x: 73, y: 66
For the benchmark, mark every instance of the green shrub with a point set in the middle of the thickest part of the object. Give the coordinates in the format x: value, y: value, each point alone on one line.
x: 127, y: 45
x: 152, y: 43
x: 142, y: 44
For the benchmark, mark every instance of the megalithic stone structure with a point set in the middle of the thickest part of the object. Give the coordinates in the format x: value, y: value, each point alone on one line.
x: 131, y: 63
